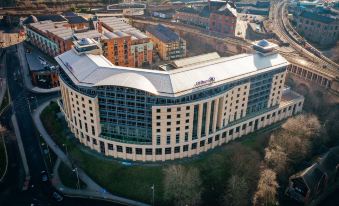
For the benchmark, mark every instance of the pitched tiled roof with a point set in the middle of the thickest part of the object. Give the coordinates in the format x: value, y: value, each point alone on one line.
x: 163, y: 33
x: 76, y: 19
x: 52, y: 17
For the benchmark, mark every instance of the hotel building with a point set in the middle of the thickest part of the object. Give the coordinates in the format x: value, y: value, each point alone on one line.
x: 150, y: 115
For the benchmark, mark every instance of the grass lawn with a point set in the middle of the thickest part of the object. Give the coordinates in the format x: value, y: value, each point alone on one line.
x: 135, y: 181
x: 68, y: 177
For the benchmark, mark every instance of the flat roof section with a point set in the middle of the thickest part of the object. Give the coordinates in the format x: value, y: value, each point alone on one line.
x: 35, y: 63
x: 118, y: 27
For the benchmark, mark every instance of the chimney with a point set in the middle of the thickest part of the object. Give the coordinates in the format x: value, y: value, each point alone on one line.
x: 99, y: 26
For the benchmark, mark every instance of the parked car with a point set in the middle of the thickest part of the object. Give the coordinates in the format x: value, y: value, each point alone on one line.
x: 57, y: 197
x: 44, y: 176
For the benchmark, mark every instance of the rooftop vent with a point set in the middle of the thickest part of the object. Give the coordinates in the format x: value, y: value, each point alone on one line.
x: 264, y: 47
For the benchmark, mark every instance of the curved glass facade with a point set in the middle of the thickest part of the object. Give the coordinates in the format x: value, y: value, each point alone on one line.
x: 126, y: 113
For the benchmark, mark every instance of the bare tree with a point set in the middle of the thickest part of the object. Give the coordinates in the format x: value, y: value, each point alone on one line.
x: 245, y: 162
x: 267, y: 188
x: 306, y: 126
x: 276, y: 158
x: 236, y: 191
x: 293, y: 146
x: 182, y: 185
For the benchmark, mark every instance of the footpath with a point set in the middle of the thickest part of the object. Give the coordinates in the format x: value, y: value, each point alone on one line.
x: 25, y: 73
x: 3, y: 82
x: 93, y: 190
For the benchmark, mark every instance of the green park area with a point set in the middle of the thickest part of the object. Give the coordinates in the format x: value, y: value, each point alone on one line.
x: 135, y: 181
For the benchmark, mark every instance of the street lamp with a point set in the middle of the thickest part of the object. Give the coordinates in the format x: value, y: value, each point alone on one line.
x: 36, y: 101
x: 153, y: 188
x: 64, y: 145
x: 78, y: 181
x: 49, y: 154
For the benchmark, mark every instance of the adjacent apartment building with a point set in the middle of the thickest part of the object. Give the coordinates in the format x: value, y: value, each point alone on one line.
x: 151, y: 115
x: 319, y: 25
x: 123, y: 44
x: 52, y: 38
x: 168, y: 44
x: 217, y: 16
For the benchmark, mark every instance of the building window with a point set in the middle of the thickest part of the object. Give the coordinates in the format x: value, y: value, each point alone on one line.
x: 177, y: 138
x: 176, y: 149
x: 158, y: 140
x: 223, y: 135
x: 237, y: 129
x: 209, y: 141
x: 158, y: 151
x: 217, y: 137
x: 93, y: 130
x: 119, y: 148
x: 149, y: 151
x: 179, y: 109
x: 168, y: 109
x: 110, y: 146
x: 186, y: 137
x: 168, y: 150
x: 185, y: 148
x: 138, y: 151
x: 194, y: 146
x: 94, y: 141
x: 168, y: 139
x: 230, y: 132
x: 128, y: 150
x: 158, y: 110
x: 202, y: 143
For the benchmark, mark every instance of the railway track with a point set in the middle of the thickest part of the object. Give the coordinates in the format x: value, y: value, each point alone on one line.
x: 324, y: 65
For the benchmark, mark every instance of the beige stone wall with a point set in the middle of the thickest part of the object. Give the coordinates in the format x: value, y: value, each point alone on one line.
x: 172, y: 126
x: 82, y: 116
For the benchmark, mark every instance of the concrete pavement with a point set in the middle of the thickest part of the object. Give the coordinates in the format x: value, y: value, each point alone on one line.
x: 25, y: 73
x: 21, y: 150
x: 93, y: 190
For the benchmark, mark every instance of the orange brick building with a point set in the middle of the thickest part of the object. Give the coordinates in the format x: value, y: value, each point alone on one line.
x: 123, y: 44
x: 50, y: 37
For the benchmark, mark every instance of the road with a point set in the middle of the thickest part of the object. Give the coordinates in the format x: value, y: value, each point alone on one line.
x: 10, y: 192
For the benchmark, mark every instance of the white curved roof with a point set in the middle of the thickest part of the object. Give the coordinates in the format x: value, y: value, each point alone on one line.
x: 129, y: 79
x: 95, y: 70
